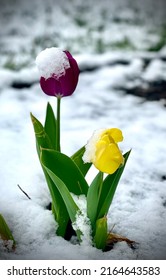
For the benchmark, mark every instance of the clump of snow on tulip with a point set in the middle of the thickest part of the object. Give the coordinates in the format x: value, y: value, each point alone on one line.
x: 90, y: 148
x: 82, y: 222
x: 52, y: 62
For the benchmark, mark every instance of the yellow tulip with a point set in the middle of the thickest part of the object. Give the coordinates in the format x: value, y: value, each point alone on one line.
x: 102, y: 150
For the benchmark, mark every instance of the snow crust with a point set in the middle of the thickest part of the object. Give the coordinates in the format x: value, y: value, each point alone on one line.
x: 90, y: 148
x: 52, y: 62
x: 82, y: 222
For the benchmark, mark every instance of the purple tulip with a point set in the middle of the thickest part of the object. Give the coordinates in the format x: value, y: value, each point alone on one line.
x: 63, y: 76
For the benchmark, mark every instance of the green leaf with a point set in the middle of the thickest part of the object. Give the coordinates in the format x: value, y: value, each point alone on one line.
x: 50, y: 125
x: 65, y: 168
x: 71, y: 206
x: 77, y: 158
x: 42, y: 139
x: 101, y: 234
x: 109, y: 187
x: 93, y: 197
x: 5, y: 232
x: 58, y: 207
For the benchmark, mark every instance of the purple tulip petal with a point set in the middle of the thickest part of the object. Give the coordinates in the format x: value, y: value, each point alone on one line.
x: 50, y: 86
x: 70, y: 79
x: 67, y: 83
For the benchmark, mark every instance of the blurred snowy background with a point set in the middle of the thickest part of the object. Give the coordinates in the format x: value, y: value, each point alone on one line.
x: 120, y: 47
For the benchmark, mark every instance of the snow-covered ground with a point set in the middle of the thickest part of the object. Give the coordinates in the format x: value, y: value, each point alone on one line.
x: 138, y: 210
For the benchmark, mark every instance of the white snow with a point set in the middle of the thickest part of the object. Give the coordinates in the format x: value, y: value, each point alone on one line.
x: 155, y: 71
x: 90, y: 148
x: 138, y: 210
x: 82, y: 222
x: 52, y: 61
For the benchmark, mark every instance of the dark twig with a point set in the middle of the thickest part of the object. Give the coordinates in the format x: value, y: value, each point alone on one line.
x: 23, y: 192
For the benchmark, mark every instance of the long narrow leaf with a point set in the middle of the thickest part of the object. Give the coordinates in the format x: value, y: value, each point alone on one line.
x: 42, y: 139
x: 64, y: 168
x: 71, y: 206
x: 109, y: 187
x: 50, y: 125
x: 5, y: 232
x: 93, y: 197
x: 77, y: 158
x: 58, y: 207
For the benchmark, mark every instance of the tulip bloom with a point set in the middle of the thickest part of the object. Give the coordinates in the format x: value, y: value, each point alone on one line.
x: 102, y: 150
x: 59, y: 72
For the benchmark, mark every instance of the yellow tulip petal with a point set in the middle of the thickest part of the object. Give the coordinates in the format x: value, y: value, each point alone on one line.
x: 106, y: 138
x: 108, y: 159
x: 103, y: 151
x: 116, y: 134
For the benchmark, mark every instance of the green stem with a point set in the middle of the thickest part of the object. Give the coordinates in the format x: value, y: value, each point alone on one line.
x: 58, y: 148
